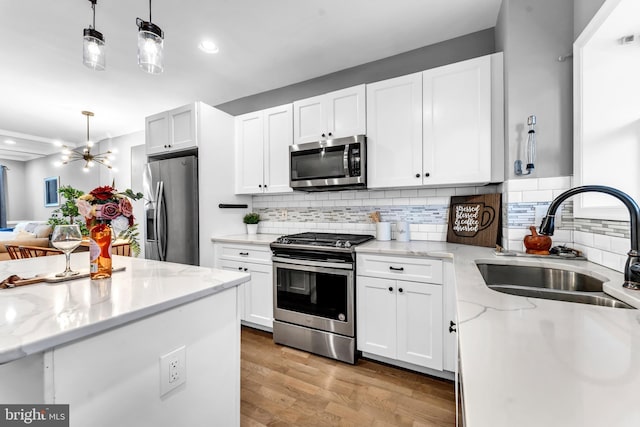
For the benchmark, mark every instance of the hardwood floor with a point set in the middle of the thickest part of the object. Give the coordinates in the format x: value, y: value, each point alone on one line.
x: 282, y: 386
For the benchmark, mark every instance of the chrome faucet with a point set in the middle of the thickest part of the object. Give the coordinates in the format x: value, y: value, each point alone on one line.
x: 632, y: 267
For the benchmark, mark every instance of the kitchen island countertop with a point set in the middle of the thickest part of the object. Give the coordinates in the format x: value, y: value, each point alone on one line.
x: 534, y: 362
x: 38, y: 317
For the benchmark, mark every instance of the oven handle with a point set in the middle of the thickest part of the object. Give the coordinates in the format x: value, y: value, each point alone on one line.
x: 310, y: 263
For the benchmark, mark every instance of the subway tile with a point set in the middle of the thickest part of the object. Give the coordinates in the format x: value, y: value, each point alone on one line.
x: 620, y: 245
x: 465, y: 191
x: 409, y: 193
x: 418, y: 201
x: 514, y: 196
x: 434, y: 201
x: 443, y: 192
x: 613, y: 261
x: 555, y: 183
x: 362, y: 195
x: 334, y: 195
x: 322, y: 196
x: 537, y: 196
x: 401, y: 201
x: 347, y: 195
x: 389, y: 194
x: 583, y: 238
x: 426, y: 192
x: 601, y: 241
x: 524, y: 184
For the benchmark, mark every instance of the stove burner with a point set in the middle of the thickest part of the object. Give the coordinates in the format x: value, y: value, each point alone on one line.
x: 343, y: 241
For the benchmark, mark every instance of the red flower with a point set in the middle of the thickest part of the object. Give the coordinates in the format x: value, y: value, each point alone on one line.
x: 103, y: 193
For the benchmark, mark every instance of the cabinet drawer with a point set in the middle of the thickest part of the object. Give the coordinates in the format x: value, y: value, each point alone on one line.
x: 259, y: 254
x: 245, y: 267
x: 390, y: 267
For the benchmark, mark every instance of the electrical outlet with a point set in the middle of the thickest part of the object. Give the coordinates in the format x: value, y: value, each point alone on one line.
x: 173, y: 370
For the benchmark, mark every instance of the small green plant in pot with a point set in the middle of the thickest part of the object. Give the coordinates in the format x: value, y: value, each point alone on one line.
x: 252, y: 219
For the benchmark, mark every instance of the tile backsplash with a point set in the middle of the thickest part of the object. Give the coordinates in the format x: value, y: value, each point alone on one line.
x: 524, y: 203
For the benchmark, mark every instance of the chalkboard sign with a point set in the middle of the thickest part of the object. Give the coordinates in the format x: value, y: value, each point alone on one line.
x: 475, y: 220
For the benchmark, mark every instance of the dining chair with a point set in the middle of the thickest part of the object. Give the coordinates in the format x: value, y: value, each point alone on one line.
x: 36, y: 251
x: 123, y: 249
x: 13, y: 251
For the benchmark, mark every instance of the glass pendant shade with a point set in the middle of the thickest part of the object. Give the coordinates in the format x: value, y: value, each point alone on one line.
x: 150, y: 47
x: 93, y: 50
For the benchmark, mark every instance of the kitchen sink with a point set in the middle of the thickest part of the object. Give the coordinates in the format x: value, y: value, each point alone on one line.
x: 547, y: 283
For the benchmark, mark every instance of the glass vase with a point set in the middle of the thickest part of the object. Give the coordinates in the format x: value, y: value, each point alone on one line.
x: 100, y: 251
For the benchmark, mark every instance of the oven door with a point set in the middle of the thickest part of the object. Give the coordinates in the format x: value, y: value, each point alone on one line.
x: 315, y: 294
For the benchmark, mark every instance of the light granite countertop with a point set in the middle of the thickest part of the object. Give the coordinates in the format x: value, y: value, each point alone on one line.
x: 254, y: 239
x: 38, y: 317
x: 534, y: 362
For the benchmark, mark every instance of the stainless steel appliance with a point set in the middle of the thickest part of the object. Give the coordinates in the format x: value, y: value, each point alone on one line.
x: 333, y: 164
x: 314, y: 293
x: 171, y: 210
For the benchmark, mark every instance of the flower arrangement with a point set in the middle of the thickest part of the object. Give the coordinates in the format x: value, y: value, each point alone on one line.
x: 109, y: 204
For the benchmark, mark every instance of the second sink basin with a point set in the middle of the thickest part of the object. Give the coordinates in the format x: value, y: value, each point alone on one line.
x: 547, y: 283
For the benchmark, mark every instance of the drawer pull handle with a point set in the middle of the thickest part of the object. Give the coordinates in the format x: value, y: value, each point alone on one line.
x: 396, y: 268
x: 452, y: 327
x: 244, y: 253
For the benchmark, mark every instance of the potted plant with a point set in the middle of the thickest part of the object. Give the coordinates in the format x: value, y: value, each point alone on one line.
x: 251, y: 219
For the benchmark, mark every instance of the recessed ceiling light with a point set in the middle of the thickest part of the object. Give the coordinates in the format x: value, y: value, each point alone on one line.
x: 9, y: 141
x: 57, y: 143
x: 208, y: 46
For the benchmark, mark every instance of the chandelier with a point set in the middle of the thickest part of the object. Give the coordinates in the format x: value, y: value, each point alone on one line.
x: 69, y: 155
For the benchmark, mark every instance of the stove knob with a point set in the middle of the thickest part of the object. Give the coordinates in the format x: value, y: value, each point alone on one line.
x: 339, y: 244
x: 347, y: 244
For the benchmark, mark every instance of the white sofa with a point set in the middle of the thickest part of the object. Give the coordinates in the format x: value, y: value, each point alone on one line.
x: 28, y: 233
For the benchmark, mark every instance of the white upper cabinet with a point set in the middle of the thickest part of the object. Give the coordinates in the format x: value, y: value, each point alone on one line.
x: 440, y: 127
x: 457, y: 123
x: 332, y: 115
x: 172, y: 131
x: 262, y: 151
x: 394, y: 132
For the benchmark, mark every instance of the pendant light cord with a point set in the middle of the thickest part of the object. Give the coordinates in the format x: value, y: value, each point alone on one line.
x: 150, y: 11
x: 93, y: 8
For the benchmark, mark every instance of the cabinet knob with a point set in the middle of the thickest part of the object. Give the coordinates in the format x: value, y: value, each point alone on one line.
x: 330, y: 134
x: 452, y: 327
x: 390, y: 288
x: 417, y: 175
x: 265, y: 186
x: 400, y: 290
x: 259, y: 185
x: 426, y: 174
x: 240, y: 268
x: 323, y: 135
x: 246, y: 269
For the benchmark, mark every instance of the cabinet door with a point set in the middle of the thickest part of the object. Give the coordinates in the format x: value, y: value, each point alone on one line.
x: 346, y: 112
x: 278, y: 137
x: 309, y: 119
x: 258, y: 295
x: 394, y: 132
x: 457, y: 123
x: 376, y: 316
x: 156, y: 132
x: 419, y: 317
x: 249, y: 153
x: 182, y: 128
x: 234, y: 266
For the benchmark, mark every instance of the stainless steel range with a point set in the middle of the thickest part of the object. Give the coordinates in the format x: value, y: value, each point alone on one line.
x: 314, y: 293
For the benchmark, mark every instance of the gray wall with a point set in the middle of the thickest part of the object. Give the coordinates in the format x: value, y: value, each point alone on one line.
x: 454, y: 50
x: 583, y: 11
x: 532, y: 35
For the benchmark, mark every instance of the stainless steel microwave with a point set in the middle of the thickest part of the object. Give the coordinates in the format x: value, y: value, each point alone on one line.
x: 332, y: 164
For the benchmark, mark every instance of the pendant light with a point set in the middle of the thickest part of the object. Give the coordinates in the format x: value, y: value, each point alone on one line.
x: 104, y: 159
x: 150, y: 45
x: 93, y: 47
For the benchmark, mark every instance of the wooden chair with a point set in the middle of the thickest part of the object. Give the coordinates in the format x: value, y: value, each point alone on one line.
x: 36, y: 251
x: 123, y: 249
x: 13, y: 251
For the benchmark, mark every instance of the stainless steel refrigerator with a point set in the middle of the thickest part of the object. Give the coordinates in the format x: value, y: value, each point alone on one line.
x: 171, y: 210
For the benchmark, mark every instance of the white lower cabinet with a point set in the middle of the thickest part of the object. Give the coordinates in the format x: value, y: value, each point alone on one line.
x: 255, y: 296
x: 400, y: 310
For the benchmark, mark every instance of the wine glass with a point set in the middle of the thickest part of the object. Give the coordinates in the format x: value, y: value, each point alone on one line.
x: 66, y: 238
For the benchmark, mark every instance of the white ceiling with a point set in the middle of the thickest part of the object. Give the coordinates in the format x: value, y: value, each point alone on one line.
x: 263, y: 45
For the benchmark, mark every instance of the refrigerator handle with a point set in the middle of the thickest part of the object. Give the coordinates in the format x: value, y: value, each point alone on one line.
x: 161, y: 239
